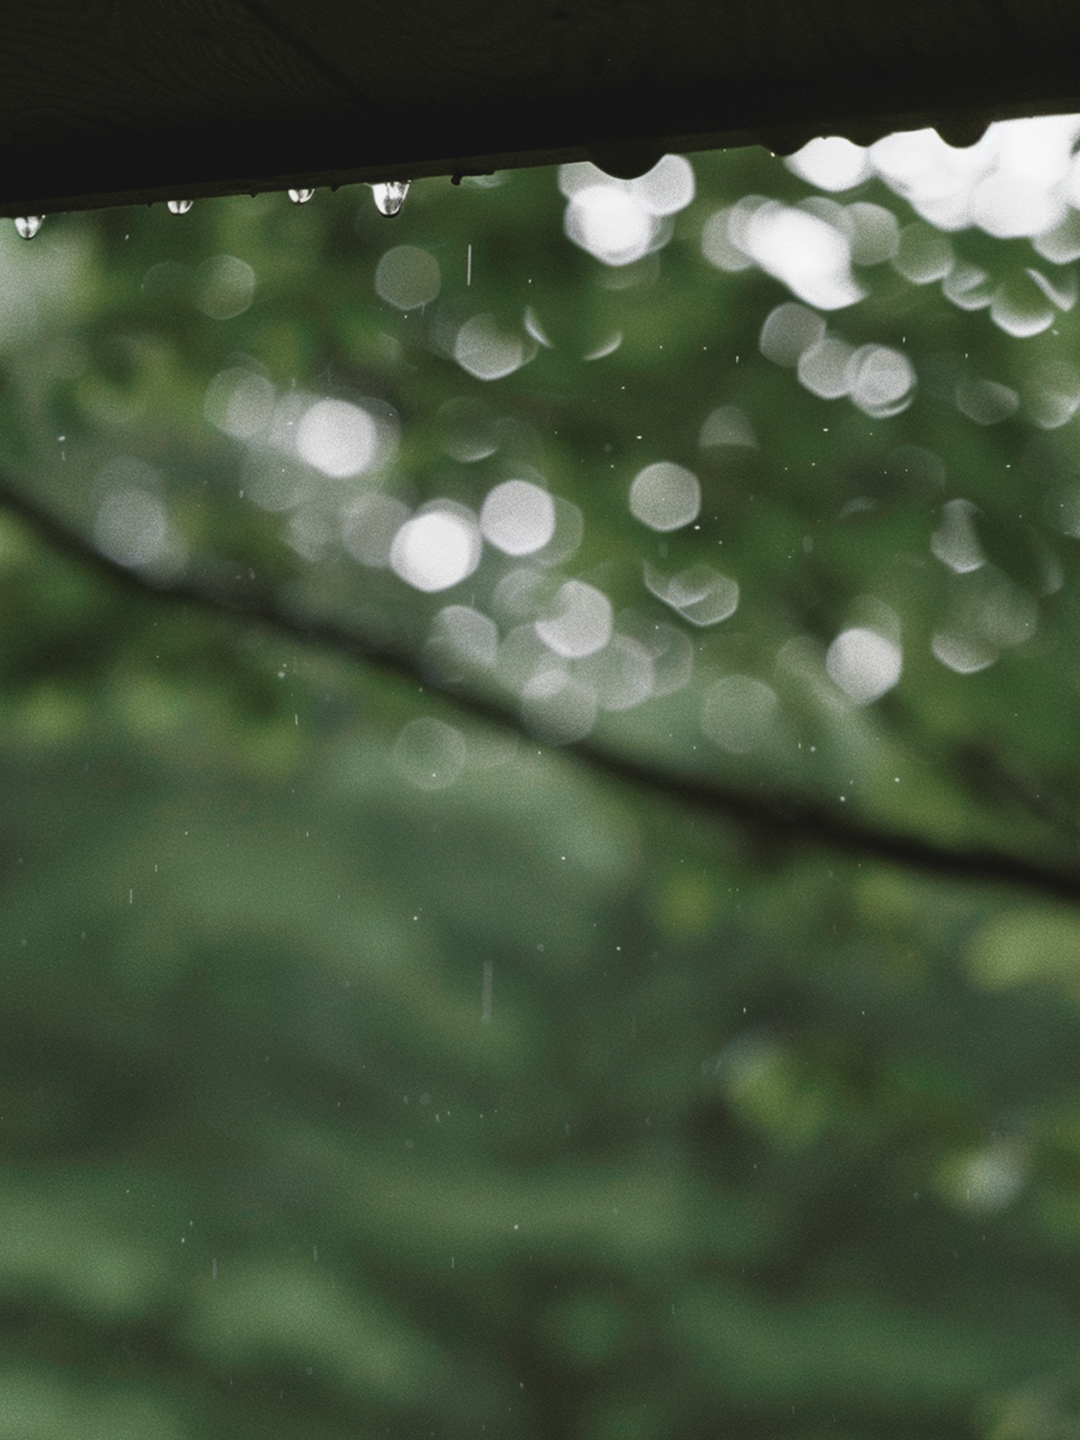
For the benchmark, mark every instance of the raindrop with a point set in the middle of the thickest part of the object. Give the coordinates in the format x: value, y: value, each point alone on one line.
x: 390, y: 197
x: 28, y: 225
x: 300, y: 197
x: 180, y: 207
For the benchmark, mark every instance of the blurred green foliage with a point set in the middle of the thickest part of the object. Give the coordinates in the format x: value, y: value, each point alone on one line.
x: 370, y: 1070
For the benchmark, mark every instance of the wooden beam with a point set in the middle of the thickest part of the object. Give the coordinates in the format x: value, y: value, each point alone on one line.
x: 107, y: 102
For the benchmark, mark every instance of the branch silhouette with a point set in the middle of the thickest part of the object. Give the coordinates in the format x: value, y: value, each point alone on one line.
x: 788, y: 820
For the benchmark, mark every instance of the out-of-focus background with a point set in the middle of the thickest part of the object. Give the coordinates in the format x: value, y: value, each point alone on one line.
x: 372, y: 1067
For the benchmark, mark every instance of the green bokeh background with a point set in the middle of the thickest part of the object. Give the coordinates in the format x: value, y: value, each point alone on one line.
x: 524, y: 1102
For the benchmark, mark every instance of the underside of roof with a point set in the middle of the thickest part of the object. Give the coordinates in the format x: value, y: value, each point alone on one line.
x: 109, y: 102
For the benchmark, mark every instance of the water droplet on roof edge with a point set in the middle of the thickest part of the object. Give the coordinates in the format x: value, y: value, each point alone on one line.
x: 390, y: 196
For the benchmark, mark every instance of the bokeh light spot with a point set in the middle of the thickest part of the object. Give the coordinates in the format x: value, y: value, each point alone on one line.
x: 923, y: 255
x: 240, y: 403
x: 429, y: 754
x: 968, y: 287
x: 700, y: 594
x: 437, y: 548
x: 558, y: 708
x: 467, y: 429
x: 809, y: 256
x: 964, y: 654
x: 621, y: 221
x: 517, y: 517
x: 717, y: 246
x: 875, y: 233
x: 881, y: 380
x: 824, y: 369
x: 465, y: 635
x: 368, y: 526
x: 620, y: 675
x: 338, y: 438
x: 863, y: 664
x: 667, y: 188
x: 224, y: 287
x: 737, y: 713
x: 830, y: 163
x: 954, y: 542
x: 986, y: 401
x: 727, y: 425
x: 407, y: 277
x: 485, y: 351
x: 665, y: 496
x: 986, y: 1180
x: 610, y: 223
x: 131, y: 527
x: 1021, y: 307
x: 670, y: 651
x: 789, y: 331
x: 1052, y: 394
x: 580, y: 621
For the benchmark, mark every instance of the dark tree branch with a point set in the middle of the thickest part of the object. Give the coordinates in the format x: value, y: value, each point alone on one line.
x: 789, y: 820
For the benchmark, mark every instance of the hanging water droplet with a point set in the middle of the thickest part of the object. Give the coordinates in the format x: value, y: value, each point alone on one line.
x: 300, y: 197
x: 28, y: 225
x: 180, y: 207
x: 390, y: 196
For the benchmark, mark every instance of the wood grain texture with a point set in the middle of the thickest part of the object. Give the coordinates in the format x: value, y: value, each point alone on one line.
x: 114, y: 101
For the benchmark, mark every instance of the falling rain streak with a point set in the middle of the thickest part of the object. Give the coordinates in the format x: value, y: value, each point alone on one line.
x: 28, y: 225
x: 390, y: 197
x: 180, y: 207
